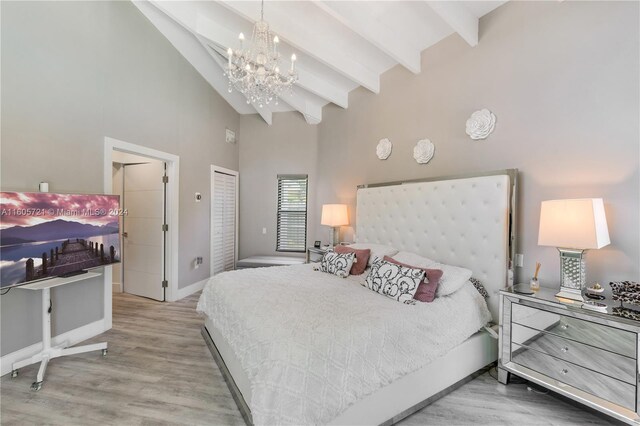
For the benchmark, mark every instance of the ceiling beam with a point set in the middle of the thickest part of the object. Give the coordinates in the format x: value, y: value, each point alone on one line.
x: 458, y: 17
x: 307, y: 104
x: 224, y: 37
x: 309, y: 41
x: 357, y: 19
x: 198, y: 56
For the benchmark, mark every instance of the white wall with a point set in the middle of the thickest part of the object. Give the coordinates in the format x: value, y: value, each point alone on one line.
x: 73, y: 73
x: 562, y: 78
x: 288, y: 146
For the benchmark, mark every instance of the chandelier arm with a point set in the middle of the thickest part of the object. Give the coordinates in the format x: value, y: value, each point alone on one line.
x: 254, y: 71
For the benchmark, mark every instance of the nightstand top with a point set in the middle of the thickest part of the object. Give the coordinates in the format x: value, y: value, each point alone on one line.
x: 615, y: 310
x: 318, y: 250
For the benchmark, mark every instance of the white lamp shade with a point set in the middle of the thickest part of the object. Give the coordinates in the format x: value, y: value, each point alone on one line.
x: 579, y: 224
x: 334, y: 215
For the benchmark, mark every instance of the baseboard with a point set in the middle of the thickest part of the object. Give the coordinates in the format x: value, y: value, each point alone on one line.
x: 192, y: 288
x: 74, y: 336
x: 117, y: 287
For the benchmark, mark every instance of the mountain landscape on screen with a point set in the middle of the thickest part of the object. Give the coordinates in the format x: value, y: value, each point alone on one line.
x: 45, y: 235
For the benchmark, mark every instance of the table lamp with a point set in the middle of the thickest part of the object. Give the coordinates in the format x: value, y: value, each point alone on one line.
x: 573, y: 226
x: 335, y: 216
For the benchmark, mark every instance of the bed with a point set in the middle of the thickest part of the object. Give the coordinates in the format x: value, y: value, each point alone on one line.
x: 298, y: 346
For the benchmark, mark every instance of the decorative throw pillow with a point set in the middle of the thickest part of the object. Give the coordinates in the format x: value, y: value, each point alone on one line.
x: 337, y: 264
x: 478, y: 285
x: 362, y: 257
x: 453, y: 278
x: 394, y: 281
x: 427, y: 289
x: 378, y: 251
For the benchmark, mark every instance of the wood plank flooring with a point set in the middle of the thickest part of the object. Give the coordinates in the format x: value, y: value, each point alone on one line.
x: 159, y: 371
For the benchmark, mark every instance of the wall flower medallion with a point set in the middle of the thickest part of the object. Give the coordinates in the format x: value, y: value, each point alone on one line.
x: 383, y: 150
x: 481, y: 124
x: 423, y: 151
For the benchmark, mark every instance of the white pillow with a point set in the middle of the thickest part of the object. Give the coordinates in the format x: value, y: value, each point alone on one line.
x: 453, y: 278
x: 378, y: 251
x: 414, y: 259
x: 337, y: 264
x: 394, y: 281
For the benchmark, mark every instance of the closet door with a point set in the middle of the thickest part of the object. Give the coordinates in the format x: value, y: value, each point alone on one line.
x: 223, y: 221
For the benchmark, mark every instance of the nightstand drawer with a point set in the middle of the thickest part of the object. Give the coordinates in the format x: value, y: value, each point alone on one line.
x: 599, y: 360
x: 602, y: 336
x: 604, y: 387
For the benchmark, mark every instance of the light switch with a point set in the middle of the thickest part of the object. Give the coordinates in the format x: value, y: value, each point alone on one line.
x: 198, y: 197
x: 519, y: 260
x: 264, y: 231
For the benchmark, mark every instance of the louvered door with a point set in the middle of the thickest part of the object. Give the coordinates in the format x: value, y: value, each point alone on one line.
x: 223, y: 222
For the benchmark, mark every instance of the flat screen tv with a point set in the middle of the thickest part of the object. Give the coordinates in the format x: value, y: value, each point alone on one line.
x: 46, y: 235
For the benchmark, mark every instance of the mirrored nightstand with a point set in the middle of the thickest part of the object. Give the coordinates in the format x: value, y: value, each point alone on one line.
x: 315, y: 254
x: 588, y: 356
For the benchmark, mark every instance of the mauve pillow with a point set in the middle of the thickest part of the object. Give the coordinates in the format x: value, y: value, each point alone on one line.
x: 427, y: 289
x: 378, y: 251
x: 362, y: 257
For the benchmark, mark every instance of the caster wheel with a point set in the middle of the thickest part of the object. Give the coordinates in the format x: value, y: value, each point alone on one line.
x: 14, y: 373
x: 104, y: 352
x: 36, y: 386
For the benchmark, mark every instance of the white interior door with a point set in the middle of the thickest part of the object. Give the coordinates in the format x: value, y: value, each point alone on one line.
x: 223, y: 221
x: 143, y: 237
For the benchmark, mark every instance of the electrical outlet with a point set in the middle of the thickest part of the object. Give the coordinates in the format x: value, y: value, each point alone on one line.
x: 197, y: 262
x: 198, y: 197
x: 519, y: 260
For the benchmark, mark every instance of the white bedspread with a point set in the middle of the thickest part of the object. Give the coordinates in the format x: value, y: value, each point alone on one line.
x: 312, y: 344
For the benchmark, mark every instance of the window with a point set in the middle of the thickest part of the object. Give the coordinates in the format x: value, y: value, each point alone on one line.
x: 292, y: 213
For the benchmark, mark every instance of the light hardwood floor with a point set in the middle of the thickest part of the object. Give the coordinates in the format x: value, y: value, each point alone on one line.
x: 159, y: 371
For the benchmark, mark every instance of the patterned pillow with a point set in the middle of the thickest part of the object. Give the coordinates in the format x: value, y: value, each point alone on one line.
x: 428, y: 286
x: 397, y: 282
x: 337, y: 264
x: 478, y: 285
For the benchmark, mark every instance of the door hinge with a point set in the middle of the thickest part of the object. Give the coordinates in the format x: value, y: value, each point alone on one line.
x: 165, y: 227
x: 165, y: 283
x: 165, y: 179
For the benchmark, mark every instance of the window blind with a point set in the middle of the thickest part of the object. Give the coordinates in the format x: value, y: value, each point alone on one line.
x: 224, y: 222
x: 292, y: 213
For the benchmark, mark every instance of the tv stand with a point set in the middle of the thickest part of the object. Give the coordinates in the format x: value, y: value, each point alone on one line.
x: 74, y: 273
x: 50, y: 352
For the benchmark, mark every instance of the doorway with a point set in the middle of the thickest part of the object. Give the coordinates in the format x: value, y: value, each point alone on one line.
x: 141, y: 183
x: 169, y: 288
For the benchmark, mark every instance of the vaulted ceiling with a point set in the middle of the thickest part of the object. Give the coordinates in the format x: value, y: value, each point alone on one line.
x: 340, y: 45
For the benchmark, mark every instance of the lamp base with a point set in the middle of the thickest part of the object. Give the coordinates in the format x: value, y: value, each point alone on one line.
x: 572, y: 273
x: 335, y: 236
x: 568, y: 294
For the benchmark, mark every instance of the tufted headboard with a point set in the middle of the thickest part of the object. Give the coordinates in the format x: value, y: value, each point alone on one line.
x: 464, y: 221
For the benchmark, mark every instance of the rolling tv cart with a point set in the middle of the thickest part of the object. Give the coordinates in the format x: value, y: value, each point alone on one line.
x: 48, y: 352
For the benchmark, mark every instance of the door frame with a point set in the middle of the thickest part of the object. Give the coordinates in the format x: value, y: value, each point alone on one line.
x: 172, y: 212
x: 237, y: 176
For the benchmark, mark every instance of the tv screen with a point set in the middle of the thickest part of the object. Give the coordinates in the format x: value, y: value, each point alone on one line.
x: 45, y: 235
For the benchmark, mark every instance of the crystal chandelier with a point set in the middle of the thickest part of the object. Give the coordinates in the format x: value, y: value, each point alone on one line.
x: 255, y: 71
